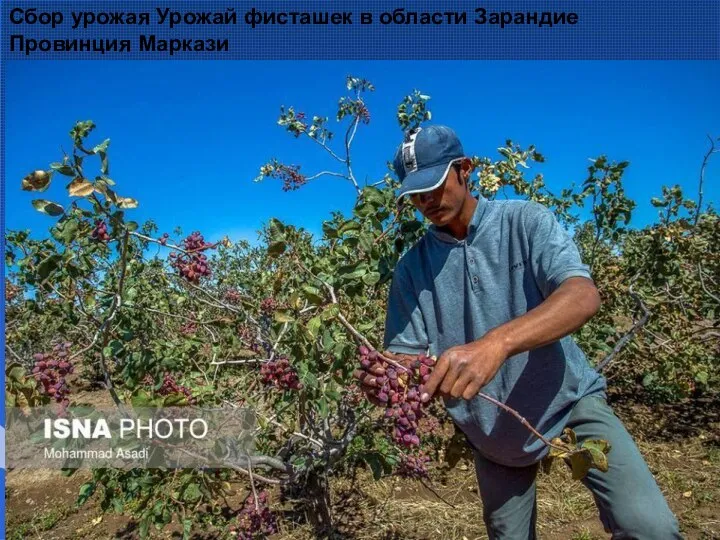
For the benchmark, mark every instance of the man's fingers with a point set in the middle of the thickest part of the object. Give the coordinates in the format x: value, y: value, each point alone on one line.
x: 436, y: 377
x: 472, y: 389
x: 453, y: 374
x: 462, y: 382
x: 376, y: 369
x: 401, y: 358
x: 365, y: 378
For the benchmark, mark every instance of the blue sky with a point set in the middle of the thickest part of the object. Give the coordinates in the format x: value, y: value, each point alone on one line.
x: 187, y: 138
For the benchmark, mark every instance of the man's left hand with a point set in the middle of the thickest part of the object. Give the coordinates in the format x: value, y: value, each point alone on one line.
x: 463, y: 370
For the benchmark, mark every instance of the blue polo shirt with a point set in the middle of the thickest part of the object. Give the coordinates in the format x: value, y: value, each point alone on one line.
x: 447, y: 292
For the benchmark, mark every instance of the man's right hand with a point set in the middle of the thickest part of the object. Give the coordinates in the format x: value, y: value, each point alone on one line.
x: 367, y: 377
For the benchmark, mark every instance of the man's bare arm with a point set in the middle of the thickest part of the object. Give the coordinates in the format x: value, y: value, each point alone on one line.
x: 566, y: 310
x: 463, y: 370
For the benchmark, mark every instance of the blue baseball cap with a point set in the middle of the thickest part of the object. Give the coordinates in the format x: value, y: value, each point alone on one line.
x: 424, y: 158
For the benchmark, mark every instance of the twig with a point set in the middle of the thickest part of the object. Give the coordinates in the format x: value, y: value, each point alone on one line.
x: 389, y: 228
x: 9, y: 348
x: 521, y: 419
x: 113, y: 310
x: 243, y: 470
x: 328, y: 149
x: 362, y: 339
x: 326, y: 173
x: 277, y: 341
x: 630, y: 333
x: 278, y: 424
x: 702, y: 178
x: 348, y: 141
x: 243, y: 361
x: 218, y: 303
x: 252, y: 485
x: 156, y: 241
x: 422, y: 481
x: 702, y: 283
x: 383, y: 181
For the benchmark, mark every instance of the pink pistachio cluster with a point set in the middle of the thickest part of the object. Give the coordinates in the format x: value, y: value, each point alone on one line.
x: 171, y: 387
x: 255, y: 520
x: 280, y: 374
x: 100, y: 232
x: 232, y: 296
x: 193, y: 264
x: 414, y: 466
x: 50, y: 370
x: 400, y: 392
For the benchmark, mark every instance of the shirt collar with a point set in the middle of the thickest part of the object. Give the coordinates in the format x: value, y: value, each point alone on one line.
x: 473, y: 226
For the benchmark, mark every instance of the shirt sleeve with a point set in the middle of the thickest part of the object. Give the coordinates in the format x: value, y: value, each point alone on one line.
x: 405, y: 330
x: 553, y: 254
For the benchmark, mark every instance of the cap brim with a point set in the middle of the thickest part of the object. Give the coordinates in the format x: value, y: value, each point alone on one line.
x: 424, y: 180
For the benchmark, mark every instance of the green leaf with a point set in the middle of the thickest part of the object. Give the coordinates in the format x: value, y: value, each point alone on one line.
x: 371, y: 279
x: 348, y: 226
x: 570, y: 435
x: 48, y: 265
x: 329, y: 230
x: 313, y: 326
x: 48, y: 207
x: 597, y: 444
x: 352, y: 271
x: 141, y: 399
x: 192, y: 493
x: 411, y: 226
x: 598, y: 459
x: 310, y: 380
x: 62, y: 168
x: 126, y: 202
x: 313, y: 294
x: 144, y: 527
x: 15, y: 372
x: 373, y: 462
x: 86, y: 491
x: 328, y: 342
x: 277, y: 248
x: 330, y: 312
x: 702, y: 377
x: 66, y: 230
x: 102, y: 147
x: 283, y: 317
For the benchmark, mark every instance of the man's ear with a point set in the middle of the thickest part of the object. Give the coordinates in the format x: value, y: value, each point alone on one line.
x: 466, y: 169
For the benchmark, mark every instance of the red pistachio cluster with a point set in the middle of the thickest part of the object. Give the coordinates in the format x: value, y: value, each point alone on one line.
x: 399, y: 390
x: 193, y: 264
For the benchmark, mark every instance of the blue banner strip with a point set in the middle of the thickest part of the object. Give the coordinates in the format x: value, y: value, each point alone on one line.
x: 346, y: 30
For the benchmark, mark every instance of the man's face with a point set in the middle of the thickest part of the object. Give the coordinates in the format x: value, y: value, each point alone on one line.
x: 443, y: 204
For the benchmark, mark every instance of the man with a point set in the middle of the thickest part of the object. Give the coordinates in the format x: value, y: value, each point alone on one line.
x: 494, y: 289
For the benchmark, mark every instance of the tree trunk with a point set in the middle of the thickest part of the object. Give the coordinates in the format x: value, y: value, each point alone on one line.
x: 318, y: 505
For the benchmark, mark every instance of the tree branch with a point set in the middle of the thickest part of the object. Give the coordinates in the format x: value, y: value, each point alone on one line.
x: 702, y: 283
x: 629, y: 335
x: 326, y: 147
x: 9, y: 348
x: 710, y: 152
x: 326, y: 173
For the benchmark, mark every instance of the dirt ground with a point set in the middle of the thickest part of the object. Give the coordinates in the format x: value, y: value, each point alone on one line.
x: 680, y: 443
